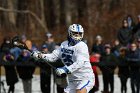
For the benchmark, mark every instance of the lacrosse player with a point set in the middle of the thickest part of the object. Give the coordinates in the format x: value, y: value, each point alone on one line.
x: 74, y: 54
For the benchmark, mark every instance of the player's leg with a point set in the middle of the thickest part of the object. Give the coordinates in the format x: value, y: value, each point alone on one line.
x: 84, y: 86
x: 80, y: 86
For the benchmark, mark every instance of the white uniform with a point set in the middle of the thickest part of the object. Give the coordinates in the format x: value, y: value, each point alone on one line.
x: 76, y: 59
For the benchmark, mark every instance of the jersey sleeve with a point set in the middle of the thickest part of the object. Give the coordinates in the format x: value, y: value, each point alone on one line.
x: 82, y: 56
x: 52, y: 57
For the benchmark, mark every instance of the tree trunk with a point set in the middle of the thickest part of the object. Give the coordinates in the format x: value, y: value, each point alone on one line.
x: 11, y: 15
x: 62, y: 12
x: 21, y: 20
x: 56, y: 8
x: 42, y: 12
x: 68, y: 12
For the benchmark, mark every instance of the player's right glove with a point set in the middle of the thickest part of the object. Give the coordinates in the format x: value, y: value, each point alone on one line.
x: 36, y: 55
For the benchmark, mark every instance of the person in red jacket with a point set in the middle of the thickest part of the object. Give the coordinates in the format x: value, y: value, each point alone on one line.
x: 95, y: 58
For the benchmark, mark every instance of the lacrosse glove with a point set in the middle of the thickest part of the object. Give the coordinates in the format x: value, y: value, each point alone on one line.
x: 62, y: 71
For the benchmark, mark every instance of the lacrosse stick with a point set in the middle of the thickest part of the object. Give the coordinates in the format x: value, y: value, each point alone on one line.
x: 16, y: 41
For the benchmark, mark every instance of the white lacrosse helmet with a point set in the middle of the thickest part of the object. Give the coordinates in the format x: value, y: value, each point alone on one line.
x: 76, y: 32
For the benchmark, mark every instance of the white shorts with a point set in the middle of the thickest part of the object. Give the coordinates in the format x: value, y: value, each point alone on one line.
x: 73, y: 86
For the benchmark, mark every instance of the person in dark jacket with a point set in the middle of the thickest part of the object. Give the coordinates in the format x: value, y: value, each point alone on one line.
x: 45, y: 72
x: 138, y: 46
x: 107, y: 66
x: 125, y: 34
x: 133, y: 57
x: 8, y: 58
x: 50, y: 43
x: 26, y: 70
x: 97, y: 49
x: 123, y: 70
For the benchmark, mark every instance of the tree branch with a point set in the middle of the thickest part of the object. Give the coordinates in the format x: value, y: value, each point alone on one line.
x: 27, y: 12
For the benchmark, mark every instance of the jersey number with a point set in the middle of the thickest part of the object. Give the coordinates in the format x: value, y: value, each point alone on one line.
x: 67, y: 59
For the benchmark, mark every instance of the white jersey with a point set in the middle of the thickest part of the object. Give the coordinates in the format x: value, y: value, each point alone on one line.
x: 75, y: 58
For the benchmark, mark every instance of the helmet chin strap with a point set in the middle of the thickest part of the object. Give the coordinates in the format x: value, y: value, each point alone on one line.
x: 72, y: 42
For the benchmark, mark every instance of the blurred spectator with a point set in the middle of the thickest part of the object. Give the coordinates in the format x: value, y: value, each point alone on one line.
x: 49, y: 46
x: 11, y: 75
x: 116, y: 47
x: 15, y: 51
x: 95, y: 58
x: 108, y: 65
x: 133, y: 57
x: 123, y: 70
x: 96, y: 53
x: 45, y: 72
x: 97, y: 47
x: 125, y: 34
x: 26, y: 71
x: 137, y: 28
x: 23, y: 38
x: 138, y: 43
x: 130, y: 20
x: 50, y: 42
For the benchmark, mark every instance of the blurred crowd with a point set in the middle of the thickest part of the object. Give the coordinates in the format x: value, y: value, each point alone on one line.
x: 19, y: 65
x: 122, y: 54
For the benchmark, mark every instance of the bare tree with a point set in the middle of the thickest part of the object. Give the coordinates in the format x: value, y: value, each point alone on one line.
x: 26, y: 12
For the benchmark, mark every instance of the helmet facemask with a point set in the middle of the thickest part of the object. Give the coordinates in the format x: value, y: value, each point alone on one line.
x: 78, y: 36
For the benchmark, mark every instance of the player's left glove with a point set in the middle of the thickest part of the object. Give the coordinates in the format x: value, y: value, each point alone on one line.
x: 62, y: 71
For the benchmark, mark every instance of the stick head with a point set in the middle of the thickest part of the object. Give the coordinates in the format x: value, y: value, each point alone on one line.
x: 17, y: 42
